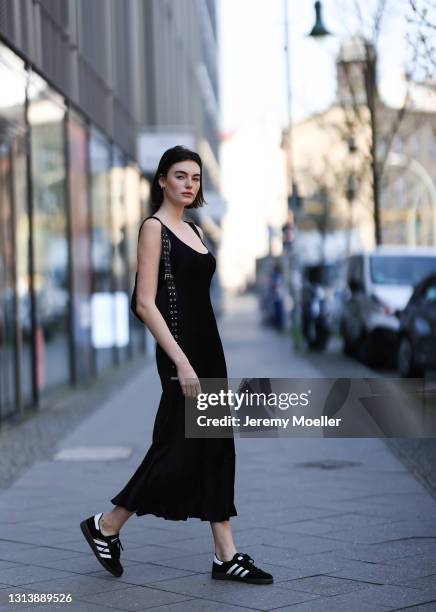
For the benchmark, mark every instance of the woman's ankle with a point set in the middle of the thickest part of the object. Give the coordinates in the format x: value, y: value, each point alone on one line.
x: 107, y: 526
x: 226, y: 555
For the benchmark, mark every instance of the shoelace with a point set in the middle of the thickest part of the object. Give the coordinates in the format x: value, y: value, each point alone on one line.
x: 247, y: 557
x: 117, y: 545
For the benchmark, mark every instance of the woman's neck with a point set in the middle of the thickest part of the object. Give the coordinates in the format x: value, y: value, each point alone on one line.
x: 172, y: 214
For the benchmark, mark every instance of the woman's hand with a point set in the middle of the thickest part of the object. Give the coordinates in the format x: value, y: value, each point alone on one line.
x: 188, y: 380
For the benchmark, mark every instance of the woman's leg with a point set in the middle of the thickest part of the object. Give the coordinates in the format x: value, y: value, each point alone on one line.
x: 224, y: 545
x: 112, y: 522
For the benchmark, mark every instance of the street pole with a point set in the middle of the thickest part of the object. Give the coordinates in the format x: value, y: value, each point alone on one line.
x: 370, y: 75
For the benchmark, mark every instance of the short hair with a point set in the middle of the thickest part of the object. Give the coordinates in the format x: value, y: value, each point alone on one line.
x: 172, y: 156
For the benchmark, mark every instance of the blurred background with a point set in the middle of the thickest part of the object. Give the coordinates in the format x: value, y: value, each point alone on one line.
x: 317, y: 128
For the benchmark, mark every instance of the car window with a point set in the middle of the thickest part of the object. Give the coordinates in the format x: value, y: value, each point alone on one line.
x: 400, y: 270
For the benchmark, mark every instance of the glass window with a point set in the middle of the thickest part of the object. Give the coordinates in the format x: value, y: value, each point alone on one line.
x: 400, y: 270
x: 137, y: 194
x: 119, y: 249
x: 81, y: 266
x: 50, y: 256
x: 15, y: 320
x: 103, y: 319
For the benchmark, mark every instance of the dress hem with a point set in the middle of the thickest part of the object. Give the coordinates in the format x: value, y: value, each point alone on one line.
x: 167, y: 517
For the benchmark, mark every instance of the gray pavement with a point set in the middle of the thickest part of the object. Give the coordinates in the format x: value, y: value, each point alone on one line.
x: 361, y: 536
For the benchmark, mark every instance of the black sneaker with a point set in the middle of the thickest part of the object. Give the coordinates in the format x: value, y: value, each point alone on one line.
x: 241, y: 568
x: 105, y: 548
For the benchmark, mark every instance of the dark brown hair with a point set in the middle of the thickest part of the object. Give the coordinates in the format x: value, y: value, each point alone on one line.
x: 170, y: 157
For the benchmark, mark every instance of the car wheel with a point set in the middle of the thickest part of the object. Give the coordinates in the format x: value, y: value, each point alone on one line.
x: 406, y: 359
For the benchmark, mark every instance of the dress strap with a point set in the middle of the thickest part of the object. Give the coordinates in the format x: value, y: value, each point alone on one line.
x: 194, y: 227
x: 144, y: 220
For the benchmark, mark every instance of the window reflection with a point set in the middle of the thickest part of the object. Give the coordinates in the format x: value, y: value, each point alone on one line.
x: 119, y: 242
x: 103, y: 313
x: 50, y: 252
x: 135, y: 212
x: 80, y: 248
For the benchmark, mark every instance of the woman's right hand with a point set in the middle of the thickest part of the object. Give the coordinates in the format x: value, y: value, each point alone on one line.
x: 188, y: 380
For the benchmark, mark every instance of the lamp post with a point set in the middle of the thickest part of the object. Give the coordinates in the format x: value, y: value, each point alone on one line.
x: 289, y: 260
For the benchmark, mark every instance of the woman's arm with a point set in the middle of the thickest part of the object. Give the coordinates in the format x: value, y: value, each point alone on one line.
x: 148, y: 254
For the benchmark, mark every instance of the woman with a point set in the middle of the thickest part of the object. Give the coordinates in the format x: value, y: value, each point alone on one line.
x: 179, y: 477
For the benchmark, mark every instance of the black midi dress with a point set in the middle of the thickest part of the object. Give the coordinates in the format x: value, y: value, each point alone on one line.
x: 183, y: 477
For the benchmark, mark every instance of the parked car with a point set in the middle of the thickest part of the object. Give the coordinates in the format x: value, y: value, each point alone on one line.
x: 379, y: 285
x: 417, y: 335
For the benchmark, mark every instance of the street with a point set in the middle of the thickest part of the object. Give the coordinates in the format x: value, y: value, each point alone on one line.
x: 340, y: 523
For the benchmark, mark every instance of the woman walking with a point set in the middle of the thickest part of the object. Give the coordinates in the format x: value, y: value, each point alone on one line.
x: 179, y: 477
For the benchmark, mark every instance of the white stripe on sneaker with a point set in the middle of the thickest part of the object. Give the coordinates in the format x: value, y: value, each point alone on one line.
x: 238, y: 571
x: 106, y: 556
x: 244, y: 573
x: 101, y: 542
x: 234, y: 566
x: 97, y: 519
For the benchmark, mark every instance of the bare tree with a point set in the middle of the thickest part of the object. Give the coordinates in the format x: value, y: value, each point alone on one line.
x: 422, y: 19
x: 362, y: 106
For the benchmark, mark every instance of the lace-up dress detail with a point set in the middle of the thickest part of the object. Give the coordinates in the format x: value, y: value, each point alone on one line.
x: 183, y: 477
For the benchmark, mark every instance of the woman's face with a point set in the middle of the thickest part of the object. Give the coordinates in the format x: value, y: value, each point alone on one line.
x: 182, y: 182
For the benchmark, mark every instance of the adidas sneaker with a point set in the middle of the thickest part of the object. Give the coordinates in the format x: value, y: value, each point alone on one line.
x: 241, y: 567
x: 105, y: 548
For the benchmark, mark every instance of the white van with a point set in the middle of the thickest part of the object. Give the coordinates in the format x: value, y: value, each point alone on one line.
x: 379, y: 285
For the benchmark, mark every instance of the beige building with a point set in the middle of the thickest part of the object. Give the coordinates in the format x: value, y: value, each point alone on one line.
x: 332, y: 165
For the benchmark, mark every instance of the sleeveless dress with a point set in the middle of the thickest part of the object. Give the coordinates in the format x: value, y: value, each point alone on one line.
x: 183, y: 477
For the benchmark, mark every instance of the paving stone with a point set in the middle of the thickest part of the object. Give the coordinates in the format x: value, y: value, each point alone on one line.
x: 8, y: 548
x: 82, y: 564
x: 348, y: 602
x: 145, y: 573
x: 389, y: 551
x: 198, y: 605
x: 137, y: 598
x: 263, y: 597
x: 324, y: 585
x: 426, y: 563
x: 152, y: 553
x: 397, y: 596
x: 40, y: 553
x: 77, y: 585
x: 427, y: 582
x: 27, y: 574
x: 378, y: 573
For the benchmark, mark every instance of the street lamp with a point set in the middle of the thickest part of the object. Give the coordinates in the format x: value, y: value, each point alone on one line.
x: 319, y: 30
x: 290, y: 262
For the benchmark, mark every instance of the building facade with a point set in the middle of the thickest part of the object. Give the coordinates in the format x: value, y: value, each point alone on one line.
x: 79, y: 80
x: 332, y: 153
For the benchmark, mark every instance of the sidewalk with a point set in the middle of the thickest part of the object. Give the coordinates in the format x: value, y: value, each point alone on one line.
x: 341, y: 524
